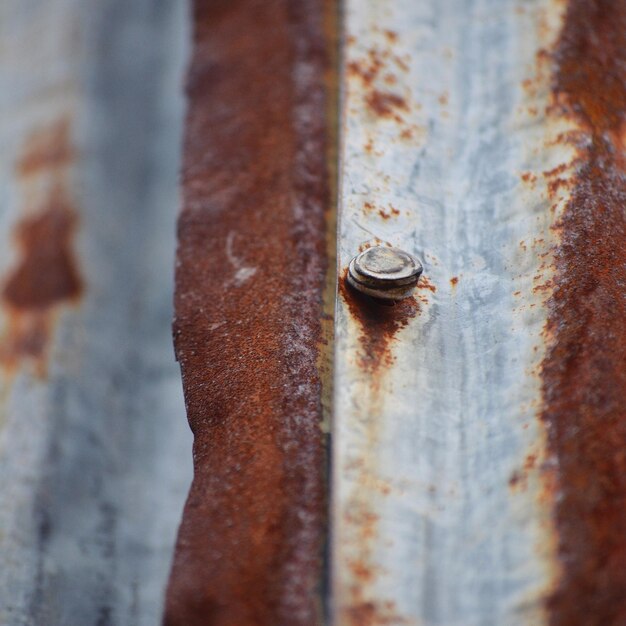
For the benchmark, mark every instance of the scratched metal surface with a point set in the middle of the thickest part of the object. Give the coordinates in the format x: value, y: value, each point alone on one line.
x: 442, y: 513
x: 95, y: 452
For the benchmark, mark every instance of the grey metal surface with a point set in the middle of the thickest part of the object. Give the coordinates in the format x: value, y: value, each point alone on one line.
x: 440, y: 512
x: 95, y: 451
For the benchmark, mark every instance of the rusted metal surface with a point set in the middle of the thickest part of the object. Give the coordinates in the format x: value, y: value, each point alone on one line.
x: 584, y: 372
x: 46, y: 273
x: 93, y: 444
x: 250, y: 282
x: 443, y: 486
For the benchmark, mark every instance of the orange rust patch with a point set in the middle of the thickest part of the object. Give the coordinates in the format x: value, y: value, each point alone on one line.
x: 584, y: 371
x: 529, y: 177
x: 556, y: 184
x: 424, y: 283
x: 555, y: 171
x: 385, y: 104
x: 519, y: 478
x: 388, y: 214
x: 359, y: 610
x: 454, y: 281
x: 361, y: 571
x: 379, y: 321
x: 46, y: 274
x: 373, y: 71
x: 369, y: 68
x: 374, y: 242
x: 373, y: 614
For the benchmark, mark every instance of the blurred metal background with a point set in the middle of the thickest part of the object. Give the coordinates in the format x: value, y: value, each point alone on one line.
x: 95, y: 451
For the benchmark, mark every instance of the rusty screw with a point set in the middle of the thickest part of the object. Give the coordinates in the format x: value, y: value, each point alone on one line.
x: 383, y: 272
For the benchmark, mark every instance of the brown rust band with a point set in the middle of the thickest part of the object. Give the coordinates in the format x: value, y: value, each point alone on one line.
x: 250, y: 282
x: 46, y: 275
x: 584, y: 372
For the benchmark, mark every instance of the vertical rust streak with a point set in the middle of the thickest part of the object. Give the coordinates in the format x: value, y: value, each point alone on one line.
x: 584, y: 372
x: 250, y: 279
x: 46, y: 274
x: 379, y: 322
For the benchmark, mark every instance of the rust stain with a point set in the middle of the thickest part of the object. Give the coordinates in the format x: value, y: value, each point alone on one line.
x: 357, y: 609
x: 584, y: 371
x: 454, y: 281
x: 46, y: 274
x: 250, y: 282
x: 425, y: 283
x: 392, y: 212
x: 373, y: 242
x: 556, y: 184
x: 519, y: 478
x: 379, y: 321
x: 392, y: 36
x: 373, y: 71
x: 373, y: 614
x: 367, y: 69
x: 402, y: 62
x: 386, y: 104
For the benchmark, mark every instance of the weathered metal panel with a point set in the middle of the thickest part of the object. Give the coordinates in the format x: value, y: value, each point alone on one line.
x: 478, y: 428
x: 94, y: 448
x: 250, y: 287
x: 443, y: 486
x: 584, y: 372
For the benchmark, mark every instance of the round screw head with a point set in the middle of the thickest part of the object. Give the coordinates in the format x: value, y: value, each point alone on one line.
x: 383, y: 272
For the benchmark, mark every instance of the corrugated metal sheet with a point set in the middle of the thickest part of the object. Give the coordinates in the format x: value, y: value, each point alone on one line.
x: 250, y: 315
x: 477, y: 468
x: 442, y: 507
x: 94, y: 448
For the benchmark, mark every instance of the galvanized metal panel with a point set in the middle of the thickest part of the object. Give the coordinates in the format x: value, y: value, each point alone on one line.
x: 94, y: 447
x: 442, y: 511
